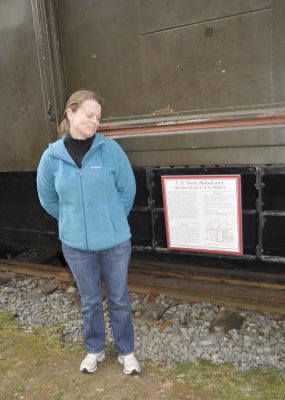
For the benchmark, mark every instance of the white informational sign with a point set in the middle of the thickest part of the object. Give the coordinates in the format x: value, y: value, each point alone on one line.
x: 203, y: 213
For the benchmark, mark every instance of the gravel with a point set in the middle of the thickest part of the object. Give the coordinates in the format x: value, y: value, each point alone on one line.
x: 166, y: 330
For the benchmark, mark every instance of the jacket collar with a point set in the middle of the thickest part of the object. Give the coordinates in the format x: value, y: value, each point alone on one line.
x: 58, y: 149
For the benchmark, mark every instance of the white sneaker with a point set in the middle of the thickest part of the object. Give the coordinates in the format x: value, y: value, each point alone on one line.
x: 89, y: 364
x: 130, y: 364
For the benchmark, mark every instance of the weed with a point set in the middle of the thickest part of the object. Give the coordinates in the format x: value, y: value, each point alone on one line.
x: 223, y: 382
x: 8, y: 322
x: 56, y: 394
x: 39, y: 386
x: 111, y: 351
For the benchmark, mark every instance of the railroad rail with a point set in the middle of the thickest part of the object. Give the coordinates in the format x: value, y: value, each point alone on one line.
x: 234, y: 289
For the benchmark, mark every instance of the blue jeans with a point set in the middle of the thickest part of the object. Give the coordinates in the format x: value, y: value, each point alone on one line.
x: 87, y: 268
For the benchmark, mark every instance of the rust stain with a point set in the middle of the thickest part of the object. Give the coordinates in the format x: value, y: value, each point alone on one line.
x: 167, y: 110
x: 195, y: 124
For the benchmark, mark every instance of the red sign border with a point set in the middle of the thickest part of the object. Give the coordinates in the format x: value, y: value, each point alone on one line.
x: 239, y: 252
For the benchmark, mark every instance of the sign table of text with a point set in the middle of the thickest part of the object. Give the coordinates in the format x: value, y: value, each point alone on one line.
x: 203, y: 213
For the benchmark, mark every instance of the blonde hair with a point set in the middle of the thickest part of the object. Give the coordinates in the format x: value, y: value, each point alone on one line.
x: 73, y: 103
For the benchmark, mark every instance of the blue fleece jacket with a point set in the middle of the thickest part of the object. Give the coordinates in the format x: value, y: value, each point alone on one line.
x: 91, y: 203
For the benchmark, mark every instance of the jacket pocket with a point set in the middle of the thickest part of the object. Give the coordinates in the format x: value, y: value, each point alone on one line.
x: 102, y: 221
x: 119, y: 218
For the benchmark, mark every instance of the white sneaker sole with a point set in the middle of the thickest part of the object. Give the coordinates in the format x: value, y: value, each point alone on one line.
x: 129, y: 372
x: 85, y: 370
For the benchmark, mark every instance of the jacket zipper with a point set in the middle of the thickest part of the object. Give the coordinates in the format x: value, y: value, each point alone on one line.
x: 81, y: 185
x: 84, y: 215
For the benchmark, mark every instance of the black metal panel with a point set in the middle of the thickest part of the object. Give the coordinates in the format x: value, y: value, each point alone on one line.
x: 142, y: 194
x: 141, y: 228
x: 274, y: 236
x: 248, y: 181
x: 159, y: 229
x: 272, y: 211
x: 22, y: 219
x: 273, y: 196
x: 250, y: 233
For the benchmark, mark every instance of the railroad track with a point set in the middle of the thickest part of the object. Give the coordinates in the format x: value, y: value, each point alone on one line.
x: 235, y: 289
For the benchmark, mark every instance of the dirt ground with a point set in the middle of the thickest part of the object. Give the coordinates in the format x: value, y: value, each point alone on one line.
x: 35, y: 366
x: 33, y: 369
x: 39, y: 366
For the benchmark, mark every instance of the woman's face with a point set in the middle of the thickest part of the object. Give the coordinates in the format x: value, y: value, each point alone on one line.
x: 85, y: 120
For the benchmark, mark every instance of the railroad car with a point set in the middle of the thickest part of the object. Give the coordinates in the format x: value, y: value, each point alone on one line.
x: 191, y: 87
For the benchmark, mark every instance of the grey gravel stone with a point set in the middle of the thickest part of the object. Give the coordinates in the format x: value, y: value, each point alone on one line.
x: 71, y: 290
x: 173, y: 332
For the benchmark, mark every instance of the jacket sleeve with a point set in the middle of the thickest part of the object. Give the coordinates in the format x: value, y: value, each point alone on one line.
x: 45, y: 185
x: 125, y: 180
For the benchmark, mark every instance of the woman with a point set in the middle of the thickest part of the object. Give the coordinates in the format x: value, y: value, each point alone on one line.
x: 86, y: 182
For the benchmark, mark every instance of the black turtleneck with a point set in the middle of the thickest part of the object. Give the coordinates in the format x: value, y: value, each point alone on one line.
x: 77, y: 148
